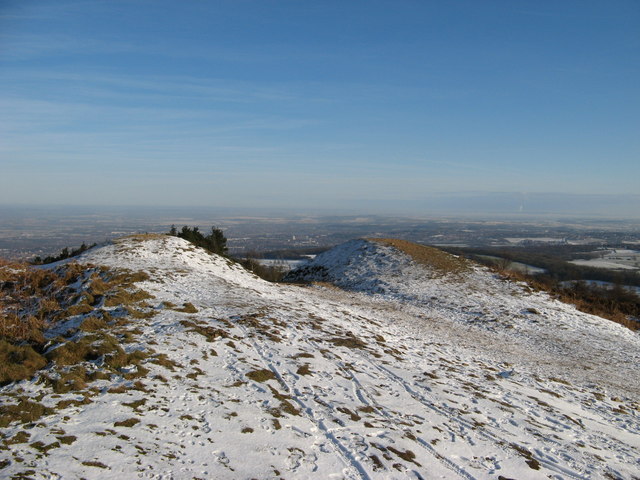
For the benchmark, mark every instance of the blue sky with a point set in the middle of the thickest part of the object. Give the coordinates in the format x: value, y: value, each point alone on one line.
x: 329, y: 104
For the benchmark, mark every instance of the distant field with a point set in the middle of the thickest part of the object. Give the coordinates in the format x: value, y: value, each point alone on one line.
x: 288, y: 264
x: 517, y: 266
x: 613, y: 260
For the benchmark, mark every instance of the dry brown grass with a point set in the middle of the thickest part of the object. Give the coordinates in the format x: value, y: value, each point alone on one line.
x: 120, y: 290
x: 71, y: 381
x: 18, y: 362
x: 440, y: 262
x: 93, y: 324
x: 24, y: 411
x: 80, y: 309
x: 123, y: 296
x: 94, y: 346
x: 19, y: 329
x: 32, y: 299
x: 163, y: 360
x: 89, y: 347
x: 98, y: 285
x: 139, y: 314
x: 209, y: 332
x: 140, y: 237
x: 261, y: 375
x: 349, y: 341
x: 187, y: 307
x: 130, y: 422
x: 25, y: 301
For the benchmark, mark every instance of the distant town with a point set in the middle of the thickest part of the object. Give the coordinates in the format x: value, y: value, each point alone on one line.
x: 27, y: 232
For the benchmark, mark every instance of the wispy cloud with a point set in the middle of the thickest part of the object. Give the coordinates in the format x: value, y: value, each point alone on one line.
x: 167, y: 85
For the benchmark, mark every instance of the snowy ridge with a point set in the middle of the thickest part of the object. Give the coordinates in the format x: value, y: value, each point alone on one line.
x: 404, y: 373
x: 548, y: 331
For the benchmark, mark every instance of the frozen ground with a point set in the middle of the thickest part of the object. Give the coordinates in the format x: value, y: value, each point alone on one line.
x: 405, y: 371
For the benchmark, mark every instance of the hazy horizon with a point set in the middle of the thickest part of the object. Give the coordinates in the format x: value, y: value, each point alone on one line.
x: 477, y: 205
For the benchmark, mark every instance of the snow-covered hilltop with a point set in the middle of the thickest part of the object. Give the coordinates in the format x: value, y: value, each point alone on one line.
x: 418, y: 366
x: 508, y: 319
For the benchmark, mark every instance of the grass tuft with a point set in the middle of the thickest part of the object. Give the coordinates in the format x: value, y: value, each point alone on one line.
x: 210, y: 333
x: 349, y: 341
x: 25, y: 411
x: 20, y: 437
x: 187, y: 308
x: 95, y: 464
x: 93, y: 324
x: 261, y: 375
x: 18, y: 362
x: 130, y: 422
x: 67, y: 439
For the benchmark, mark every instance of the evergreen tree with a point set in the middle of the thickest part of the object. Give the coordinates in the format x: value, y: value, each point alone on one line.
x: 215, y: 242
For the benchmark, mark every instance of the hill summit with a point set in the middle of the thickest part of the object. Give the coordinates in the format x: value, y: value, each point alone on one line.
x: 392, y: 360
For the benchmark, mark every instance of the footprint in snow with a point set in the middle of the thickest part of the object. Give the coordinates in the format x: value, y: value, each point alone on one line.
x: 298, y: 458
x: 221, y: 458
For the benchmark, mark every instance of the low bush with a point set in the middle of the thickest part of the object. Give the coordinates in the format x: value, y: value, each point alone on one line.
x: 270, y: 273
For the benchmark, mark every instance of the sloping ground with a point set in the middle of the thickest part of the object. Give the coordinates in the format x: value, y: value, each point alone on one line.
x: 244, y: 379
x: 437, y: 261
x: 485, y: 312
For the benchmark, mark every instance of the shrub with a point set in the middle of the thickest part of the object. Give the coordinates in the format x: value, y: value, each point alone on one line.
x: 214, y: 242
x: 270, y: 273
x: 64, y: 254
